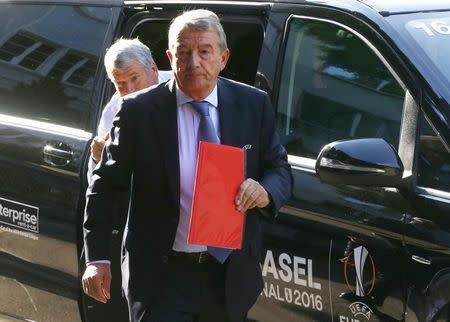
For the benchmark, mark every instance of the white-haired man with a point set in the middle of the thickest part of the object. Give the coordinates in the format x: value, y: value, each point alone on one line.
x: 130, y: 66
x: 154, y: 141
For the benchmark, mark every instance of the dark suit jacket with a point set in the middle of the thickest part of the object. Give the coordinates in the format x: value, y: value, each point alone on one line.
x: 144, y: 145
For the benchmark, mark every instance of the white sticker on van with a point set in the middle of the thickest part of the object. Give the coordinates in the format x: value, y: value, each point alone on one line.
x: 19, y: 215
x: 292, y: 269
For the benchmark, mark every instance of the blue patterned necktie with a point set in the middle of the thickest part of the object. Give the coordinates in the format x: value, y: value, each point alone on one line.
x: 207, y: 133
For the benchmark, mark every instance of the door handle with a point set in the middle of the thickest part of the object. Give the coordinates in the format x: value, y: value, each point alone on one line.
x: 421, y: 260
x: 57, y: 154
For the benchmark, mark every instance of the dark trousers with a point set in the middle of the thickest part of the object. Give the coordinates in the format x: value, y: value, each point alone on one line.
x: 195, y: 292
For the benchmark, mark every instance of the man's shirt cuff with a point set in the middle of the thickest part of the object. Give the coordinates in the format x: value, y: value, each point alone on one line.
x: 99, y: 262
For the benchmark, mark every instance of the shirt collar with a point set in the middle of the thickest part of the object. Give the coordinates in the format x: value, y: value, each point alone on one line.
x: 182, y: 98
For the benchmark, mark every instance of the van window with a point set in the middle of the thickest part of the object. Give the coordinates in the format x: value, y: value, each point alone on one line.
x: 47, y: 73
x: 332, y: 87
x: 244, y: 38
x: 433, y: 160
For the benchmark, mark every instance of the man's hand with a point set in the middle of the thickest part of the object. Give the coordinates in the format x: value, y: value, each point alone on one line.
x: 250, y: 195
x: 97, y: 147
x: 97, y: 281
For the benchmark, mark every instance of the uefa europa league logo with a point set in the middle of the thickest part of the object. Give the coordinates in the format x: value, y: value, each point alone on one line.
x: 361, y: 270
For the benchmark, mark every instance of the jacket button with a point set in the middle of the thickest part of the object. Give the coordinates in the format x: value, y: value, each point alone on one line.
x: 164, y: 259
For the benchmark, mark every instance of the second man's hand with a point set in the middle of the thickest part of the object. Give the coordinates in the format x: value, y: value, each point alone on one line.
x: 97, y: 281
x: 250, y: 195
x: 97, y: 146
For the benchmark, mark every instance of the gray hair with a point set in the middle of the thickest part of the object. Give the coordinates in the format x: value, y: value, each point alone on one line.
x: 199, y: 19
x: 124, y: 52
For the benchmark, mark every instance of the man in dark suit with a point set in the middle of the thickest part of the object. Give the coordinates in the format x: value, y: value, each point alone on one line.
x: 154, y: 141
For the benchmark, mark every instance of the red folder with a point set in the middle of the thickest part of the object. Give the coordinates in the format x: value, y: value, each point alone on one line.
x: 215, y: 221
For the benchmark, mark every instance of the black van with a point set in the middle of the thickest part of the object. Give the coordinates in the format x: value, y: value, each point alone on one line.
x: 361, y: 91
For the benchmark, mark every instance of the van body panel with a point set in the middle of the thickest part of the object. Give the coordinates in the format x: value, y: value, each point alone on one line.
x: 335, y: 70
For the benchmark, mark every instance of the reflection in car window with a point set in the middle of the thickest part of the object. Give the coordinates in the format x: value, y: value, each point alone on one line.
x: 433, y: 161
x: 428, y: 35
x: 47, y: 74
x: 333, y: 86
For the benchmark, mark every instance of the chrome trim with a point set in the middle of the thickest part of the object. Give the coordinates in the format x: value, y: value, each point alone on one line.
x: 235, y: 3
x: 335, y: 164
x: 433, y: 193
x: 57, y: 157
x: 45, y: 127
x: 302, y: 164
x: 421, y: 260
x: 57, y: 153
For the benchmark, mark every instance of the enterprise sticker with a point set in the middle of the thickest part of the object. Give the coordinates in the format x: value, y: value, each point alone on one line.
x: 19, y: 215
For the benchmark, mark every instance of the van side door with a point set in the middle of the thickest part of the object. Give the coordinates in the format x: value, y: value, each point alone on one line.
x: 334, y: 253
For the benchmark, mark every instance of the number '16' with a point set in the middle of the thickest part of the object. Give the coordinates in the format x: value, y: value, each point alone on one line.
x: 438, y: 26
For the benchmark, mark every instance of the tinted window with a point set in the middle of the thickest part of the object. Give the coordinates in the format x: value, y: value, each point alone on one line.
x: 434, y: 160
x: 333, y: 86
x: 47, y: 72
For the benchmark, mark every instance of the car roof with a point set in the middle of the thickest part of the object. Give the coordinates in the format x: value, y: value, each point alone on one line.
x: 75, y: 2
x: 404, y: 6
x: 385, y: 7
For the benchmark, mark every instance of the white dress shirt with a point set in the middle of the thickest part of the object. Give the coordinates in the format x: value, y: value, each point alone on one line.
x: 111, y: 109
x: 188, y: 122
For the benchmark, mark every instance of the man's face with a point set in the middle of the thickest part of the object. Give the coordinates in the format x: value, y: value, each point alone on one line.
x: 197, y: 60
x: 133, y: 78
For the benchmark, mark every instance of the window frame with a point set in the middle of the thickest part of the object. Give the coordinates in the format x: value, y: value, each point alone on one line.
x: 305, y: 163
x: 421, y: 188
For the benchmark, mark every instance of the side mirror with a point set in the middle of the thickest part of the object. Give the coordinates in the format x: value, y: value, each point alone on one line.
x: 370, y: 162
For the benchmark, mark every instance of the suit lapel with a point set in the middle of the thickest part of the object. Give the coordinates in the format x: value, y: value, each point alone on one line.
x: 167, y: 129
x: 229, y: 113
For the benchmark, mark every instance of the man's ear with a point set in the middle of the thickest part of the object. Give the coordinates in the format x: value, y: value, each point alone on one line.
x: 224, y: 58
x: 154, y: 75
x: 169, y: 55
